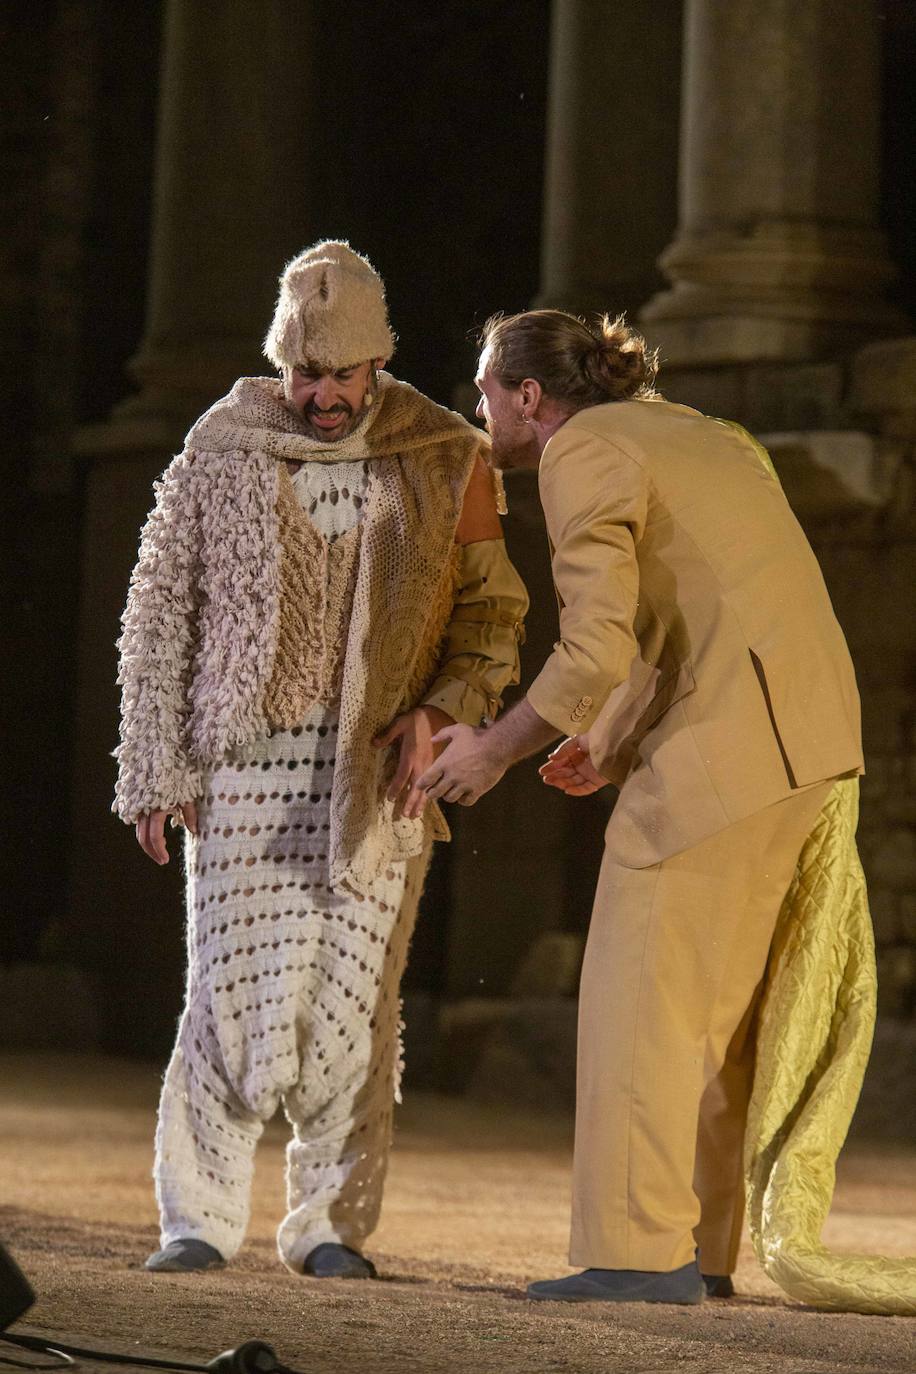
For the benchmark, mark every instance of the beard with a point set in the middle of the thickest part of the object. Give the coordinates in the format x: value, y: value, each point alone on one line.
x: 348, y: 421
x: 350, y: 417
x: 516, y: 449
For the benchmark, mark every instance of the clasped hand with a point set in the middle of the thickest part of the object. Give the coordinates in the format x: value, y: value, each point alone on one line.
x: 465, y: 770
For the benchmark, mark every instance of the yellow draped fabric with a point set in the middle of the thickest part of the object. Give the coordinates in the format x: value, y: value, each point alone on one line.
x: 814, y: 1038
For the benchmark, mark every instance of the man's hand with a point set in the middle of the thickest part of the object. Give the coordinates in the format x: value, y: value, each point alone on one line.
x: 151, y: 831
x: 466, y: 770
x: 415, y: 729
x: 570, y: 769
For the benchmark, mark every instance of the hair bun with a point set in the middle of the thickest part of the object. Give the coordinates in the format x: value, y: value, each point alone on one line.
x: 618, y: 361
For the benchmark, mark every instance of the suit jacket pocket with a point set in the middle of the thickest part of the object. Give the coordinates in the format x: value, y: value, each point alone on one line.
x: 764, y: 687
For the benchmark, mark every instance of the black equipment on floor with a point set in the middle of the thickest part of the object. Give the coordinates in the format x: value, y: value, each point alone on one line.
x: 16, y: 1293
x: 17, y: 1296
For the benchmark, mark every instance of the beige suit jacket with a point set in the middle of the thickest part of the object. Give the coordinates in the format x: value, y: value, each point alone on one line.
x: 698, y: 646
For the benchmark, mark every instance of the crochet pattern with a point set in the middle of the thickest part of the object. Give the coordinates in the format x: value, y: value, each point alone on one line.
x: 292, y: 1000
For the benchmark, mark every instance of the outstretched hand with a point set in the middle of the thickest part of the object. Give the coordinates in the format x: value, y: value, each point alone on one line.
x: 151, y: 830
x: 570, y: 769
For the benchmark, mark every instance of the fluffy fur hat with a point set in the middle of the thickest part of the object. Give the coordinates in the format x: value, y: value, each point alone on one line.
x: 331, y: 310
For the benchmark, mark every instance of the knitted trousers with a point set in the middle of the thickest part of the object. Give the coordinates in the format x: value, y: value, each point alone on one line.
x: 292, y: 999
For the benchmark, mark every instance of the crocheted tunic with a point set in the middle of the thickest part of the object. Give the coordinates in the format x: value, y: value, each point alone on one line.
x: 292, y: 987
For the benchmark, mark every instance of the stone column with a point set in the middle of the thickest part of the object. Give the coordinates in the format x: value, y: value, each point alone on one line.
x: 778, y: 255
x: 609, y: 207
x: 233, y: 162
x: 611, y: 163
x: 234, y: 154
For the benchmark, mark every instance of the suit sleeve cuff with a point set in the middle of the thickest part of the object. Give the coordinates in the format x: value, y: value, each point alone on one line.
x: 571, y: 715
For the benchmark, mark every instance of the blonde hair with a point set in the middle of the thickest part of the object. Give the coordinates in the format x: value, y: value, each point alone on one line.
x: 576, y: 363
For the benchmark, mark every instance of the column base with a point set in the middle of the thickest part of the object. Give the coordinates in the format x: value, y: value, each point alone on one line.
x: 782, y: 292
x: 718, y: 340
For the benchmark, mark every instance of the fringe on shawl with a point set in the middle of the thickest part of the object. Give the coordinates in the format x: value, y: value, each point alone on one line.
x: 199, y: 626
x: 156, y: 649
x: 239, y: 580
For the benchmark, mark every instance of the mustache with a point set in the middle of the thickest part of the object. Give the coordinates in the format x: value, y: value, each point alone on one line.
x: 340, y: 409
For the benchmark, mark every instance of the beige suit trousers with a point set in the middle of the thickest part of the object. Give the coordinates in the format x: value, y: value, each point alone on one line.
x: 673, y: 968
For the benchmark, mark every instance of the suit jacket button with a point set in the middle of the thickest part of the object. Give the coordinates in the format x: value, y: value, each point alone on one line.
x: 579, y: 710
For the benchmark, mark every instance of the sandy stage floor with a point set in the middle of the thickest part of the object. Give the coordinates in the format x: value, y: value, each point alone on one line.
x: 476, y: 1206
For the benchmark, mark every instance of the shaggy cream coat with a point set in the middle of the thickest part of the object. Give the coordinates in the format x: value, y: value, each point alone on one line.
x: 226, y: 575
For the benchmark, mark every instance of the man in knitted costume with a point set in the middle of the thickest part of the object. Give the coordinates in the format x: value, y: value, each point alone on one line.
x: 321, y: 586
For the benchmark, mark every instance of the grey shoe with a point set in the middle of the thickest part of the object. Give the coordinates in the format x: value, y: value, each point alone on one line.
x: 719, y: 1285
x: 183, y: 1256
x: 332, y: 1261
x: 684, y: 1285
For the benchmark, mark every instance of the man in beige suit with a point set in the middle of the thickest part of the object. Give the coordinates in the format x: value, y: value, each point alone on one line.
x: 701, y: 669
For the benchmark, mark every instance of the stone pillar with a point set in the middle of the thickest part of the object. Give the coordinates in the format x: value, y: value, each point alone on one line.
x: 777, y: 256
x: 609, y: 207
x: 611, y: 165
x: 234, y: 156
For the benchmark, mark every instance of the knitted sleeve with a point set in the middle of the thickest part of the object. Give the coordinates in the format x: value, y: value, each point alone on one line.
x: 480, y: 653
x: 156, y: 654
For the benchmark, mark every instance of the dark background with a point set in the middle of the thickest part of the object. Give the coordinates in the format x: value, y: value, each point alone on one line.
x: 428, y: 155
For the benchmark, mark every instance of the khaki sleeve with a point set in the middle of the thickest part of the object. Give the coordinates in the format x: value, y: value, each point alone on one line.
x: 480, y: 654
x: 595, y: 498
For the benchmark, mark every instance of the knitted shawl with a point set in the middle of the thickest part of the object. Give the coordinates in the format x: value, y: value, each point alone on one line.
x: 223, y: 633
